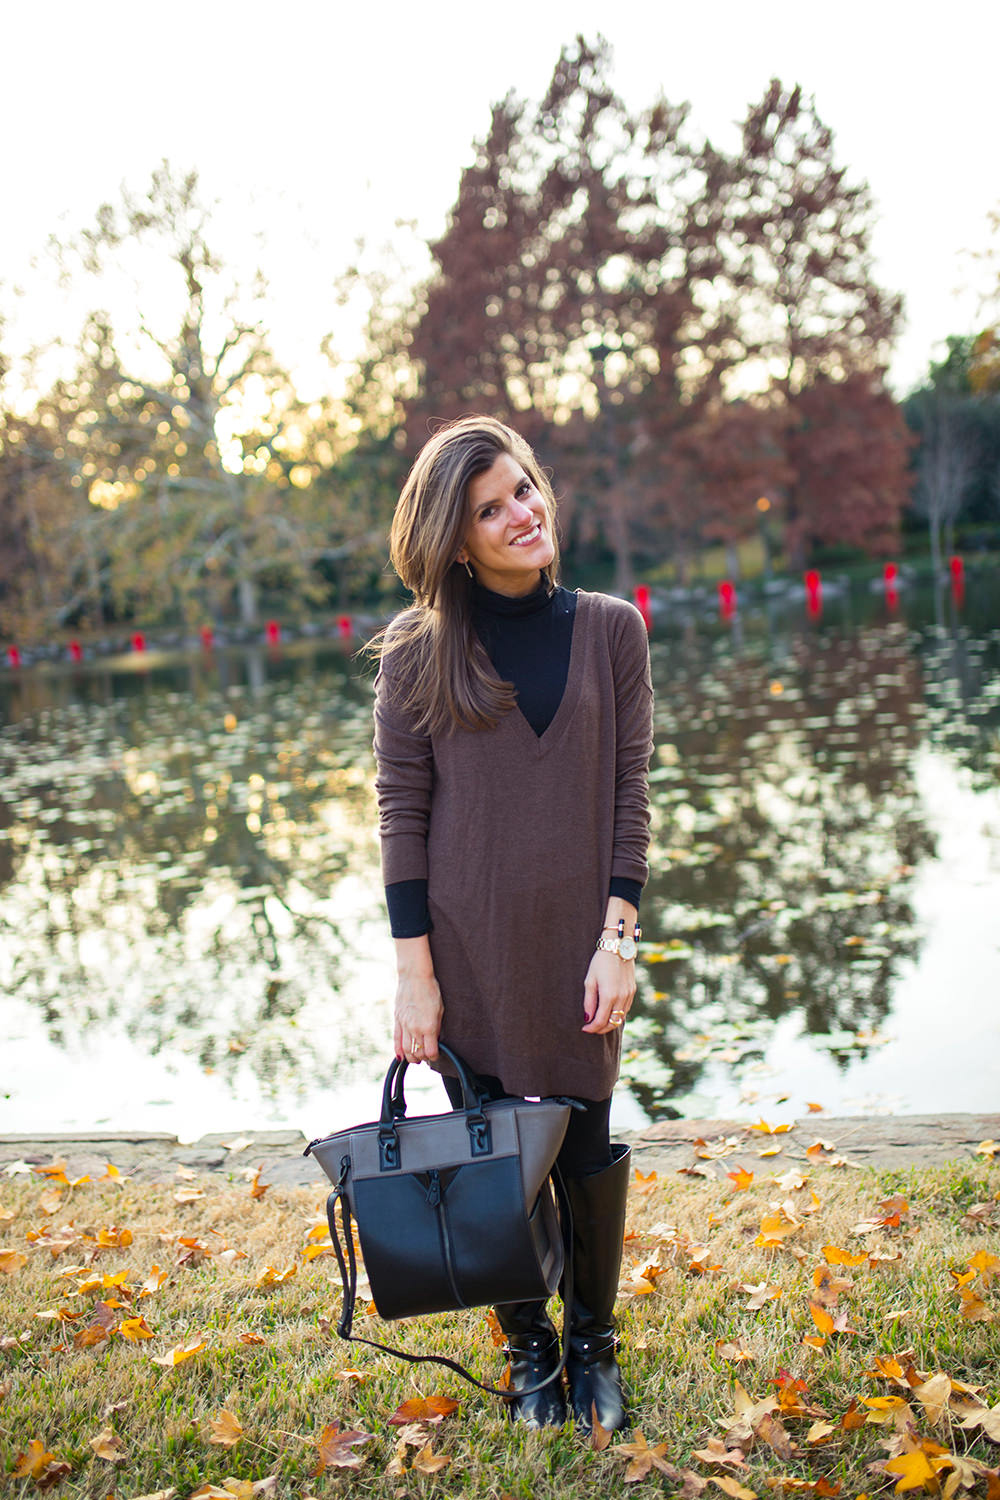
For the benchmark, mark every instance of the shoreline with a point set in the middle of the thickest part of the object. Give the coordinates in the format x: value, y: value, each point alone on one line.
x: 705, y: 1147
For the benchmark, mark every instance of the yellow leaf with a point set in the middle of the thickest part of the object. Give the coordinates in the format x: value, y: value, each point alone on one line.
x: 916, y: 1470
x: 986, y: 1264
x: 763, y: 1128
x: 270, y: 1277
x: 180, y: 1353
x: 11, y: 1261
x: 226, y: 1430
x: 741, y: 1179
x: 106, y: 1445
x: 135, y: 1329
x: 33, y: 1462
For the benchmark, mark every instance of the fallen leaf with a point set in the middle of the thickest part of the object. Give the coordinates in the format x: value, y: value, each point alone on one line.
x: 642, y: 1458
x: 11, y: 1261
x: 933, y: 1395
x: 106, y: 1445
x: 837, y: 1257
x: 716, y: 1452
x: 180, y: 1353
x: 335, y: 1448
x: 423, y: 1409
x: 763, y: 1128
x: 741, y: 1179
x: 134, y: 1329
x: 734, y: 1488
x: 916, y: 1470
x: 258, y: 1188
x: 735, y: 1353
x: 429, y: 1462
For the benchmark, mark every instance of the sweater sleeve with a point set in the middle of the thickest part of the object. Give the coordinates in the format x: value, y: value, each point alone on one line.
x: 633, y: 745
x: 403, y: 780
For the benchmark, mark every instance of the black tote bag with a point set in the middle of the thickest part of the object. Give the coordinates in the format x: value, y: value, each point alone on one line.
x: 453, y: 1210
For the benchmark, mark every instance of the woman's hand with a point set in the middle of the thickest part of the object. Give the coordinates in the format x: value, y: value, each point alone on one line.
x: 419, y: 1009
x: 607, y: 991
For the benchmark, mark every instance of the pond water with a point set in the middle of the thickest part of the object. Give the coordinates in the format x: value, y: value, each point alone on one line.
x: 192, y: 933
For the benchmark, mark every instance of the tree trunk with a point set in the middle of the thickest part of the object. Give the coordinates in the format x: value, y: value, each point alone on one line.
x: 246, y: 590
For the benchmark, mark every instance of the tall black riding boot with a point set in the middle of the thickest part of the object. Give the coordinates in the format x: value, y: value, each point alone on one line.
x: 598, y: 1203
x: 533, y: 1350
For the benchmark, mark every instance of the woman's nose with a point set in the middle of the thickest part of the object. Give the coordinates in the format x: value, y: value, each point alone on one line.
x: 519, y: 511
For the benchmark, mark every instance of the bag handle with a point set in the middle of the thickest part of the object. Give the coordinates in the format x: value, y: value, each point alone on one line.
x: 394, y: 1110
x: 349, y: 1282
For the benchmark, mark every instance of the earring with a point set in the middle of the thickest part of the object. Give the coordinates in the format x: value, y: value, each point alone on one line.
x: 468, y: 569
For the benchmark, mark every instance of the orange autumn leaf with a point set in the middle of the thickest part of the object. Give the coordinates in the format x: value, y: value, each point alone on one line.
x: 836, y: 1257
x: 113, y: 1238
x: 226, y: 1429
x: 822, y: 1319
x: 641, y: 1458
x: 258, y: 1188
x: 497, y: 1335
x: 334, y: 1448
x: 644, y: 1184
x: 153, y: 1281
x: 853, y: 1417
x: 55, y: 1171
x: 37, y: 1463
x: 11, y: 1261
x: 733, y: 1488
x: 775, y: 1229
x: 423, y: 1409
x: 91, y: 1336
x: 741, y: 1179
x: 429, y: 1462
x: 763, y: 1128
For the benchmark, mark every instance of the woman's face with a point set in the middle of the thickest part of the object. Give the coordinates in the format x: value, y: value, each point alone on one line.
x: 509, y: 539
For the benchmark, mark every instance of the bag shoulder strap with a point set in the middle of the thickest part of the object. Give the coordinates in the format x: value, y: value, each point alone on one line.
x: 349, y: 1281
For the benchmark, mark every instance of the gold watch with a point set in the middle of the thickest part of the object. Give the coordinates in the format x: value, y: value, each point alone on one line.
x: 625, y: 947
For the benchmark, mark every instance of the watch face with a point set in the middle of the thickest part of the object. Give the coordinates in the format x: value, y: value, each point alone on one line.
x: 626, y: 947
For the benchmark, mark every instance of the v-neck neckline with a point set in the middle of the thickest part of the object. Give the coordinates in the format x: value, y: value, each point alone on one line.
x: 553, y: 731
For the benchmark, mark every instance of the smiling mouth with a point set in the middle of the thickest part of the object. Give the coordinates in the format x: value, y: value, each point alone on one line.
x: 527, y: 537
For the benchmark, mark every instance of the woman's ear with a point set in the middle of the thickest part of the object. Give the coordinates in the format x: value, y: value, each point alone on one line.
x: 462, y: 557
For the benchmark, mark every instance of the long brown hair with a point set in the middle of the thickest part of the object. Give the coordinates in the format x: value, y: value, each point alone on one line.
x: 446, y: 678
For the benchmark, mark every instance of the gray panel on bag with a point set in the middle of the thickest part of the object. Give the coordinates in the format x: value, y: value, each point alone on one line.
x: 443, y: 1141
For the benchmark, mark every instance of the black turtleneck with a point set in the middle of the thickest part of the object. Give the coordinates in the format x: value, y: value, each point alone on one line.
x: 528, y: 640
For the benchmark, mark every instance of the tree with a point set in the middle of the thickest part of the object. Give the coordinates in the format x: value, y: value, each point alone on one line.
x: 815, y: 328
x: 946, y: 463
x: 183, y: 427
x: 549, y: 293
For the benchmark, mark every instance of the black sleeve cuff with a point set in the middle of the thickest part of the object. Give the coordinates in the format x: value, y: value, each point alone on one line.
x: 406, y: 901
x: 622, y: 887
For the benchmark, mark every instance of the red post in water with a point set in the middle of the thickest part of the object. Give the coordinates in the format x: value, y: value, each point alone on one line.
x: 345, y: 627
x: 138, y: 641
x: 75, y: 651
x: 641, y: 597
x: 890, y: 574
x: 273, y: 632
x: 727, y: 599
x: 957, y: 569
x: 207, y: 637
x: 814, y: 595
x: 14, y: 656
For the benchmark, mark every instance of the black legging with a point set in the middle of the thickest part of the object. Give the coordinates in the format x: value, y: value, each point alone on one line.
x: 587, y: 1146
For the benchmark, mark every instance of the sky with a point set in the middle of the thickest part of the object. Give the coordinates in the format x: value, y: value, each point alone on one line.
x: 317, y: 123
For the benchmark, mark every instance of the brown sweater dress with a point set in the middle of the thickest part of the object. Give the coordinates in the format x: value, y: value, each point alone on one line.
x: 518, y: 836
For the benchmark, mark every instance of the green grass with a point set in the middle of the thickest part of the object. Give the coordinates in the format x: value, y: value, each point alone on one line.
x: 271, y: 1356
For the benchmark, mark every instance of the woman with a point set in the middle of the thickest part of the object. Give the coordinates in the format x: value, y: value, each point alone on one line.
x: 512, y: 736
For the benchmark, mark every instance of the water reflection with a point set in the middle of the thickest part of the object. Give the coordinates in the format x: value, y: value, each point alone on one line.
x: 188, y: 860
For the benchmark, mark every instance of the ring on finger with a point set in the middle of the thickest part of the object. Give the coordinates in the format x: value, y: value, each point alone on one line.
x: 617, y: 1018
